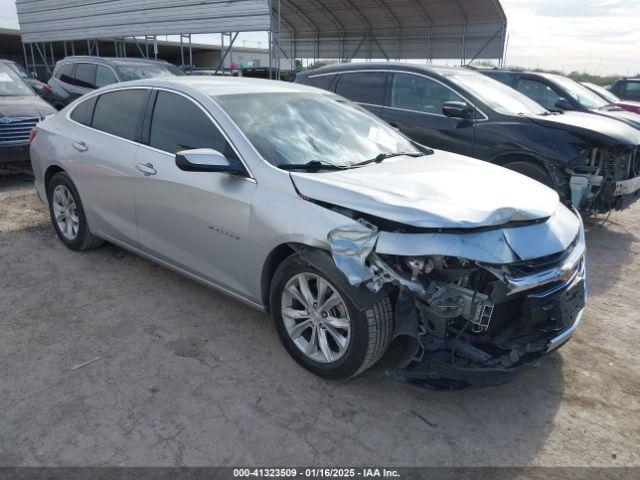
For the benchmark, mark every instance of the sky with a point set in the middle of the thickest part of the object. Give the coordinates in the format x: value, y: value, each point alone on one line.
x: 596, y: 36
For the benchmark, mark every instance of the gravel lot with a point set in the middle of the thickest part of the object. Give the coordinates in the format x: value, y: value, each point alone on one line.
x: 182, y: 375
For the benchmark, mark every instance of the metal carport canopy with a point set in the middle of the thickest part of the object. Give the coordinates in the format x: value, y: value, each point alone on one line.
x: 329, y: 29
x: 391, y: 29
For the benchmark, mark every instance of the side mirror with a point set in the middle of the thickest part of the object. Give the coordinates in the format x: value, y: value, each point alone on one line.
x: 563, y: 104
x: 206, y: 160
x: 457, y: 110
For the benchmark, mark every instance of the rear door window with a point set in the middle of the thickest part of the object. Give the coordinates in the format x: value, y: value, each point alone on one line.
x: 104, y: 77
x: 85, y: 75
x: 179, y: 124
x: 363, y: 87
x: 118, y: 113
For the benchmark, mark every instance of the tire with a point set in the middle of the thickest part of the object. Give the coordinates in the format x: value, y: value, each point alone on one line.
x: 369, y: 333
x: 76, y: 234
x: 533, y: 171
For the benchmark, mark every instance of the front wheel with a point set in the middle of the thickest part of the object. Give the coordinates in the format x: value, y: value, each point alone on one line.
x: 320, y: 326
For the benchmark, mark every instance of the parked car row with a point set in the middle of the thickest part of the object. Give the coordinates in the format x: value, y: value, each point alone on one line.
x: 356, y: 238
x: 349, y: 204
x: 588, y: 155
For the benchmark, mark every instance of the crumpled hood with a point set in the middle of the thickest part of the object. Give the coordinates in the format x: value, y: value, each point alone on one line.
x: 607, y: 130
x: 442, y: 190
x: 27, y: 106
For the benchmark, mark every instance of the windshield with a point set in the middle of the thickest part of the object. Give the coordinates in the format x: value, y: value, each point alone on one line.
x: 496, y: 95
x: 11, y: 85
x: 580, y: 93
x: 142, y: 71
x: 298, y: 128
x: 603, y: 92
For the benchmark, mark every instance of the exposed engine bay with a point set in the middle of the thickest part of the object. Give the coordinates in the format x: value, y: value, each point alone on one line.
x: 462, y: 320
x: 610, y: 179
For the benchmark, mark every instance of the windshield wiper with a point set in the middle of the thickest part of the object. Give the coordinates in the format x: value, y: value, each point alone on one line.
x: 312, y: 166
x: 384, y: 156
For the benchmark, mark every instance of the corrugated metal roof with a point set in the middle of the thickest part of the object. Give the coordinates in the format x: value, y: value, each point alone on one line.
x: 393, y: 29
x: 337, y: 29
x: 56, y: 20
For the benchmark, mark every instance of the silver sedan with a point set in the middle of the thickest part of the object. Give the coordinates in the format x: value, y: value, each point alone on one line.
x: 303, y: 204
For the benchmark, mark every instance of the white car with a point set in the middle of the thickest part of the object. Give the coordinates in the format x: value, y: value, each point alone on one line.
x: 302, y: 204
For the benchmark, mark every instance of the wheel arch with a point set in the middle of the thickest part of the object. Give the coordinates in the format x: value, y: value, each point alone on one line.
x: 510, y: 157
x: 49, y: 174
x: 529, y: 157
x: 277, y: 255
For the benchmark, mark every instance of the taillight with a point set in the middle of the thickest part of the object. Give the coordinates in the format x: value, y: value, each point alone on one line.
x: 32, y: 134
x: 46, y: 89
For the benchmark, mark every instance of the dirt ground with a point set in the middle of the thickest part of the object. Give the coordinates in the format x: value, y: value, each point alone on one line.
x: 180, y: 375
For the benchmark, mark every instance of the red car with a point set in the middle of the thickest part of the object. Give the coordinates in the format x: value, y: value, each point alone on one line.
x: 628, y: 105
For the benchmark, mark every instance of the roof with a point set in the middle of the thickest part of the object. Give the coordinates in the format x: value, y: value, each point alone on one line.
x: 113, y: 60
x: 224, y: 85
x: 337, y: 29
x: 345, y: 67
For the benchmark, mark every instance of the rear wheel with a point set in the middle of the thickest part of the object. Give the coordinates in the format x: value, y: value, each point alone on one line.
x: 533, y: 171
x: 320, y: 326
x: 67, y: 214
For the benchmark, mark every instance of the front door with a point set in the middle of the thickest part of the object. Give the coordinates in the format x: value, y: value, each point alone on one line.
x: 197, y: 221
x: 415, y: 108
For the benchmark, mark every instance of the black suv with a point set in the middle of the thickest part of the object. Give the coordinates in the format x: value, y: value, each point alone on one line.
x: 75, y: 76
x: 627, y: 89
x: 591, y: 161
x: 560, y: 93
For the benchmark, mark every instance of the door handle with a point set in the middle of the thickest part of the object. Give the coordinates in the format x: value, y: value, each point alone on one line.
x: 146, y: 168
x: 80, y: 146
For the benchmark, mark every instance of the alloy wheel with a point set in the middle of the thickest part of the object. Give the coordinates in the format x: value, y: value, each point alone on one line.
x: 316, y: 317
x: 65, y: 212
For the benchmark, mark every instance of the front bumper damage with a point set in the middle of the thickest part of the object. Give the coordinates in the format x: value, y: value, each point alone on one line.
x: 472, y: 309
x: 609, y: 180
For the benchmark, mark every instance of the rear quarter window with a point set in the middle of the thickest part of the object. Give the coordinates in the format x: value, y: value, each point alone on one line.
x: 83, y: 113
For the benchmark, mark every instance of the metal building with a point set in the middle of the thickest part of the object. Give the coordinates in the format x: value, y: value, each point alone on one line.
x: 309, y: 29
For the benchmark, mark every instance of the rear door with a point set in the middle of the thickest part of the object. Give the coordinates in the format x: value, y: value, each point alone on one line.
x: 366, y: 88
x: 101, y: 153
x: 414, y: 106
x: 197, y: 221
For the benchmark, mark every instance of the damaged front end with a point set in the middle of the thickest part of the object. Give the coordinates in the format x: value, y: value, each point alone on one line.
x: 472, y: 307
x: 609, y: 179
